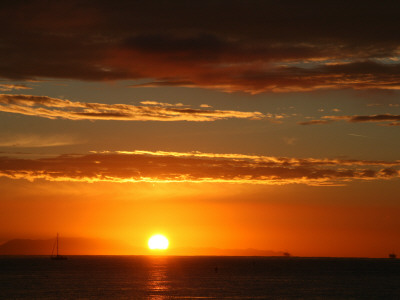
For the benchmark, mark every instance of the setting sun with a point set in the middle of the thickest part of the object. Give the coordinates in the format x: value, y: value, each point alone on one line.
x: 158, y: 242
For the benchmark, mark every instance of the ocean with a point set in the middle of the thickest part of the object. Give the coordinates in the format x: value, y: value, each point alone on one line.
x: 201, y: 277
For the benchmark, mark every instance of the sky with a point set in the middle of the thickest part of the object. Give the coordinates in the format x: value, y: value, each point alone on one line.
x: 271, y: 125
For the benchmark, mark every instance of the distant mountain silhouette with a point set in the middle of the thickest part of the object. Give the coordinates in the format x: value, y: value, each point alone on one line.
x: 68, y: 246
x: 224, y: 252
x: 85, y: 246
x: 26, y: 247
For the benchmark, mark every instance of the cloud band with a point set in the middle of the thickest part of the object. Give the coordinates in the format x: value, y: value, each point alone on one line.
x: 148, y: 166
x: 53, y: 108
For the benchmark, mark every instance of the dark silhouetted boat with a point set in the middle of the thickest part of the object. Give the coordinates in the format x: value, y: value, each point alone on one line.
x: 392, y: 255
x: 57, y: 256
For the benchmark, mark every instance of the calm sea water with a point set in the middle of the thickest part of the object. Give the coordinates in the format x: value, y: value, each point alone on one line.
x: 145, y: 277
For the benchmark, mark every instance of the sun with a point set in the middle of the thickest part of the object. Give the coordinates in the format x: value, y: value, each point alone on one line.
x: 158, y: 242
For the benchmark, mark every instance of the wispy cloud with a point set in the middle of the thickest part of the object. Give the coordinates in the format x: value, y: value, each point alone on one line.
x: 161, y: 103
x: 53, y: 108
x: 367, y: 118
x: 161, y: 166
x: 290, y: 140
x: 34, y: 141
x: 9, y: 87
x: 357, y: 135
x: 357, y: 119
x: 314, y: 122
x: 384, y: 104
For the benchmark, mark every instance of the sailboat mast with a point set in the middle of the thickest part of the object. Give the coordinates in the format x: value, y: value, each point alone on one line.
x: 57, y: 256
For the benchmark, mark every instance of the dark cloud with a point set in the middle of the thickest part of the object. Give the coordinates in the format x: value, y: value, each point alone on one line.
x: 251, y: 46
x: 357, y: 119
x: 389, y: 172
x: 194, y: 167
x: 374, y: 118
x: 165, y: 44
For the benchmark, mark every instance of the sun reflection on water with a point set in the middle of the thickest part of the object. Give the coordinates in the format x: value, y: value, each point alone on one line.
x: 157, y: 279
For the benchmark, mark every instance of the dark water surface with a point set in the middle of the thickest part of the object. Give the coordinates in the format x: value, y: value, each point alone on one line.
x: 146, y: 277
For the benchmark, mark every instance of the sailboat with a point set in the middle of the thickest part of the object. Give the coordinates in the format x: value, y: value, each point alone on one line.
x: 57, y: 256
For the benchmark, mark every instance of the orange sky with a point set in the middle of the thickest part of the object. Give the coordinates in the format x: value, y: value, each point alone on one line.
x: 264, y: 126
x: 302, y: 221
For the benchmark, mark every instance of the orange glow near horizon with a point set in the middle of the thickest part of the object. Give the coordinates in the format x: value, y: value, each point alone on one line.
x: 201, y: 219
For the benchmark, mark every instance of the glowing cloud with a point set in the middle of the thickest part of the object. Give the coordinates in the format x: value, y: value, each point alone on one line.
x: 53, y: 108
x: 10, y: 87
x: 147, y: 166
